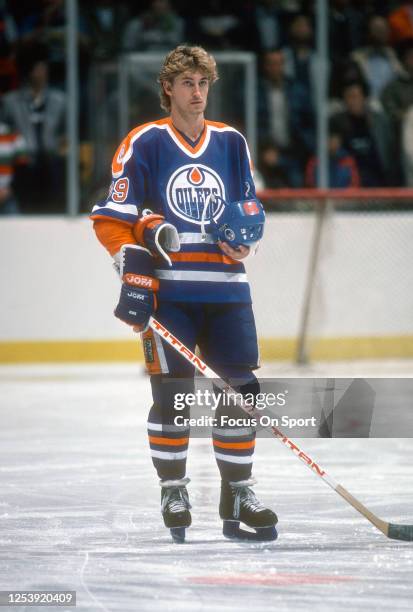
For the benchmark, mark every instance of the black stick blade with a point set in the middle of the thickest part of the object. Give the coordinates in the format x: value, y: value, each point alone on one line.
x: 401, y: 532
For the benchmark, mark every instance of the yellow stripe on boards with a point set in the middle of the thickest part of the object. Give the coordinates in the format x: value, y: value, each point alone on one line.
x: 70, y: 351
x: 271, y: 349
x: 339, y: 349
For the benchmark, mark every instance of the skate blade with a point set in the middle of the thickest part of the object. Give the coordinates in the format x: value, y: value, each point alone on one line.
x: 178, y: 534
x: 232, y: 531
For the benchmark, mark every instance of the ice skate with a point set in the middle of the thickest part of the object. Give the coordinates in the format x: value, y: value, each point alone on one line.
x: 175, y: 507
x: 238, y: 504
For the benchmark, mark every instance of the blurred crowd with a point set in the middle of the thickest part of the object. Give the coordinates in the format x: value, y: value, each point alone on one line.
x: 370, y: 106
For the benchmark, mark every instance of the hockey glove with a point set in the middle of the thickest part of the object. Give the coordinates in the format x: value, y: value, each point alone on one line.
x: 137, y: 300
x: 157, y: 235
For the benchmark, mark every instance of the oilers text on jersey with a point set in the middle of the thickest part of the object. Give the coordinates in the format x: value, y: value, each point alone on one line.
x: 157, y: 168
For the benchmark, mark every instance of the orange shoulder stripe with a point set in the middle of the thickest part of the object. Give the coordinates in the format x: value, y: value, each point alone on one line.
x: 217, y: 124
x: 123, y: 148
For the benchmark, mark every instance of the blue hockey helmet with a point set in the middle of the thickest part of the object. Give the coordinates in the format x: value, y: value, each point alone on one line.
x: 242, y: 222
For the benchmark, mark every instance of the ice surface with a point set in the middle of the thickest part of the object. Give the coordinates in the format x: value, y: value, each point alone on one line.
x: 79, y: 508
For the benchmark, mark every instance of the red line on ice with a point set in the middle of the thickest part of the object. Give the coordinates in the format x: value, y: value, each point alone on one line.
x: 269, y: 579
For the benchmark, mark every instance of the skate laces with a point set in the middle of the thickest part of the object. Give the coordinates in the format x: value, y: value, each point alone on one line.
x: 245, y: 496
x: 176, y: 497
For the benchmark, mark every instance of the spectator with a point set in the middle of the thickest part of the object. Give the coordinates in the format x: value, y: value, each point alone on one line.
x: 342, y: 73
x: 217, y: 26
x: 401, y: 23
x: 285, y: 110
x: 158, y: 29
x: 346, y: 30
x: 367, y: 137
x: 397, y: 100
x: 342, y: 168
x: 37, y: 111
x: 397, y: 96
x: 274, y: 100
x: 301, y: 68
x: 345, y: 26
x: 299, y: 56
x: 267, y: 23
x: 407, y: 146
x: 275, y: 169
x: 46, y: 25
x: 12, y: 153
x: 105, y: 19
x: 8, y: 38
x: 377, y: 61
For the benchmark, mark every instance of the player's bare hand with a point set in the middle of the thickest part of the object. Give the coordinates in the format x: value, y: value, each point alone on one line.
x: 239, y: 253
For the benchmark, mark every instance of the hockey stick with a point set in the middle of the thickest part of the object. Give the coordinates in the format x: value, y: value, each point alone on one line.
x: 391, y: 530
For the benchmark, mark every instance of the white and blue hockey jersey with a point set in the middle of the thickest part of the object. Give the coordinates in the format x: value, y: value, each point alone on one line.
x: 156, y: 167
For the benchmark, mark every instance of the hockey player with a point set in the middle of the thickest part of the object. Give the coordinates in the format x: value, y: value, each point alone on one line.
x: 175, y: 181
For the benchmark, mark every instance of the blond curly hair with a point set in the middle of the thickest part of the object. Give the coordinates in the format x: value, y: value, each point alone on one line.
x: 181, y: 59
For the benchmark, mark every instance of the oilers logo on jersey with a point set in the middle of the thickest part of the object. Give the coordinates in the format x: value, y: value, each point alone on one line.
x: 156, y: 168
x: 188, y: 190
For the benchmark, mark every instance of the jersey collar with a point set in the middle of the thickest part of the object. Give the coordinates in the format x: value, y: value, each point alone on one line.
x: 189, y: 149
